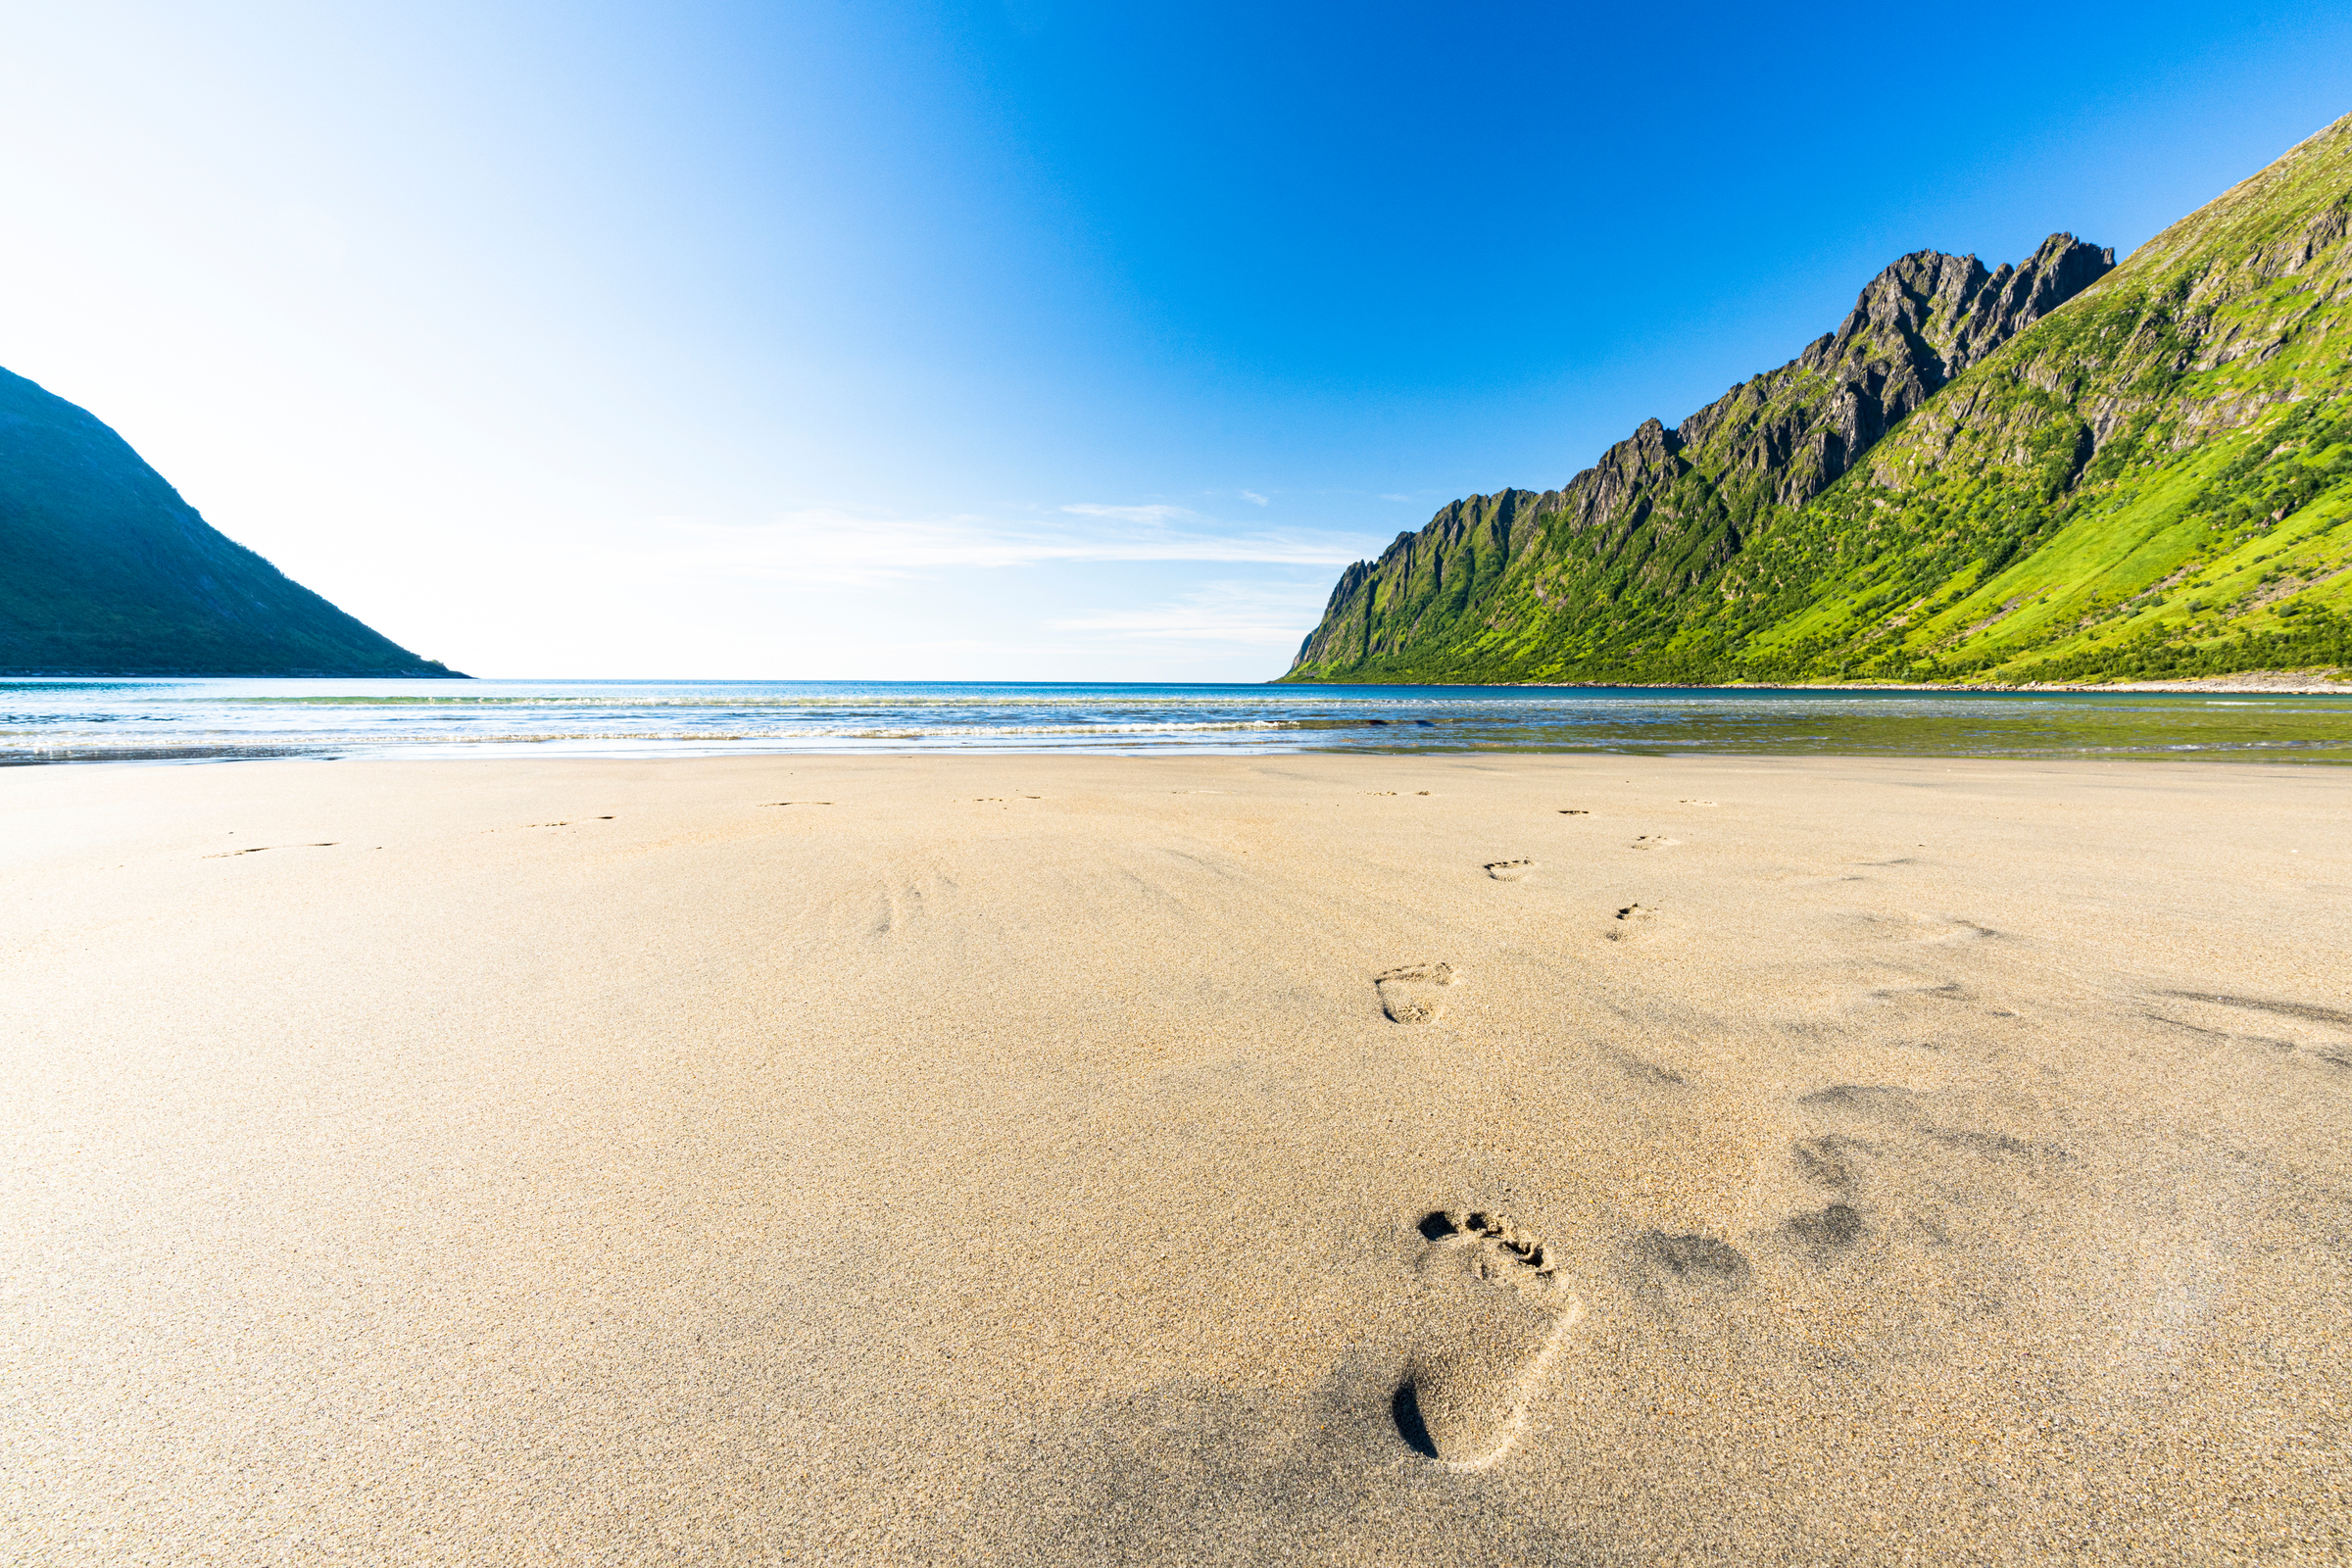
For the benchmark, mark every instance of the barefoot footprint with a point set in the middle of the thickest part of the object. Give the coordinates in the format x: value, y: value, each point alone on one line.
x: 1509, y: 870
x: 1633, y: 920
x: 1500, y: 1309
x: 1410, y: 995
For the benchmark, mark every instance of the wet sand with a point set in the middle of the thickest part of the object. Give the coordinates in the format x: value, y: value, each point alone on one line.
x: 1316, y: 1159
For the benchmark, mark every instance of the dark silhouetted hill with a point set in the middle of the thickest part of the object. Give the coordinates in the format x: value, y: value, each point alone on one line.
x: 105, y: 570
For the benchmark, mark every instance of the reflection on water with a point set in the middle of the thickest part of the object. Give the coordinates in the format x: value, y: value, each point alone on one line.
x: 121, y: 720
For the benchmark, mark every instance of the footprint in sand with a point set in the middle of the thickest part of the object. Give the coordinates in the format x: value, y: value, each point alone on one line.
x: 1633, y: 920
x: 1509, y: 870
x: 1410, y: 995
x: 1654, y: 841
x: 1664, y: 1264
x: 1498, y: 1311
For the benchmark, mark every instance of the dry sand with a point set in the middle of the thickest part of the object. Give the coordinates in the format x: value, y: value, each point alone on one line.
x: 1024, y: 1159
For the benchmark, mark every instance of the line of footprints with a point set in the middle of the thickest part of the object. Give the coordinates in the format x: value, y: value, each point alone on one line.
x: 1500, y: 1305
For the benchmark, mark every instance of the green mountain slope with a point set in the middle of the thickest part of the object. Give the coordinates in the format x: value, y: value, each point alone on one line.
x: 105, y: 570
x: 2060, y: 473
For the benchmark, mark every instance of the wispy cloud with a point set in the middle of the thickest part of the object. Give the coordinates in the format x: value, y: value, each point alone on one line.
x: 1087, y: 509
x: 1253, y: 498
x: 826, y: 547
x: 1262, y: 615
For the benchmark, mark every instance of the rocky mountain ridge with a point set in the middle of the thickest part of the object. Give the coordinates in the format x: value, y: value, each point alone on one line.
x: 1957, y: 424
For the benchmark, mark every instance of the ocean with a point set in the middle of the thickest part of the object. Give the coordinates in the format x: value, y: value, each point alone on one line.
x: 90, y: 720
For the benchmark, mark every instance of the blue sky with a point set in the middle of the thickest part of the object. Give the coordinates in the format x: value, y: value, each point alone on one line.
x: 1011, y: 338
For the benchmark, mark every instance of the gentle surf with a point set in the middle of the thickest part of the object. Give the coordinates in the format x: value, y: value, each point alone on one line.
x: 196, y: 720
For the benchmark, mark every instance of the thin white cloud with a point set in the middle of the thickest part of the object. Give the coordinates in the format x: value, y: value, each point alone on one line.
x: 825, y: 548
x: 1253, y: 498
x: 1396, y: 498
x: 1260, y: 614
x: 1087, y: 509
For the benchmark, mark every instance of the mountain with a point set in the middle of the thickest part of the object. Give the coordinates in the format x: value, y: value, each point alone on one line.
x: 105, y: 570
x: 2066, y: 470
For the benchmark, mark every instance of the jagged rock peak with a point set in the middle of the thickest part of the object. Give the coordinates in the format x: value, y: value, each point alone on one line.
x: 1919, y: 323
x: 1778, y: 439
x: 1955, y: 311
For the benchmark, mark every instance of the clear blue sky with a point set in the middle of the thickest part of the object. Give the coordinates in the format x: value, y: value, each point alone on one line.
x: 1011, y: 338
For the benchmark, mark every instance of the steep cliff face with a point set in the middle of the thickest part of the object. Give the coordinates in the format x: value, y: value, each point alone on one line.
x: 2153, y: 481
x: 1666, y: 509
x: 1993, y: 475
x: 1919, y: 323
x: 104, y: 569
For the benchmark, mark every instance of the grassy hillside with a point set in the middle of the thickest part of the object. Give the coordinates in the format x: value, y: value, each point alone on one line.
x: 104, y: 569
x: 2149, y: 479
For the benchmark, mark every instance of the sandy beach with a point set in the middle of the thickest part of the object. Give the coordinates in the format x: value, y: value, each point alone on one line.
x: 1092, y: 1159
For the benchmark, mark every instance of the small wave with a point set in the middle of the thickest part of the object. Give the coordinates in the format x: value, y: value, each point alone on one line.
x: 889, y: 733
x: 54, y: 740
x: 816, y: 703
x: 588, y: 718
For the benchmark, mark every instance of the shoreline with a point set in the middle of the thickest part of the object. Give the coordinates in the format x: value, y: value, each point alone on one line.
x: 223, y: 720
x: 2275, y: 683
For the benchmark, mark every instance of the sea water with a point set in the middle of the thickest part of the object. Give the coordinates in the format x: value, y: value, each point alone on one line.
x: 65, y: 720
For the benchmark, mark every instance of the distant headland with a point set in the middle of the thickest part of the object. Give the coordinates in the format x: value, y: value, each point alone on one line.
x: 109, y: 572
